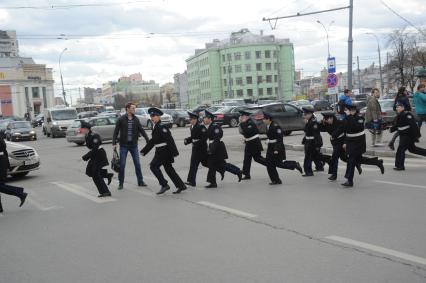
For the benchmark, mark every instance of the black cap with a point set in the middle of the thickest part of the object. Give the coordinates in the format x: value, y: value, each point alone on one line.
x: 153, y: 111
x: 327, y: 115
x: 267, y: 116
x: 307, y: 110
x: 85, y: 125
x: 399, y: 103
x: 244, y: 112
x: 209, y: 114
x: 192, y: 115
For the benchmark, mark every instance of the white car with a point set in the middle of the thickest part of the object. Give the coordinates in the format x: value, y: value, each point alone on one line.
x: 22, y: 159
x: 143, y: 116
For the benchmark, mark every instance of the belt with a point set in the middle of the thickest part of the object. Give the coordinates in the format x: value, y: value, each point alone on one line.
x: 211, y: 141
x: 252, y: 138
x: 161, y: 145
x: 272, y: 141
x: 340, y: 136
x: 195, y: 140
x: 355, y: 134
x: 1, y: 153
x: 403, y: 128
x: 309, y: 137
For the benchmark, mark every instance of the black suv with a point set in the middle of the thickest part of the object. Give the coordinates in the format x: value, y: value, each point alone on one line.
x: 180, y: 117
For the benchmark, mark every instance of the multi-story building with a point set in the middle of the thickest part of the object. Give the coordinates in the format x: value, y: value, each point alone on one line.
x: 181, y: 89
x: 8, y: 44
x: 245, y: 66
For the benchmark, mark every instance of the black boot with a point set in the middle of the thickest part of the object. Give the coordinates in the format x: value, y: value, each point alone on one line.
x: 358, y: 168
x: 380, y: 165
x: 163, y: 189
x: 1, y: 207
x: 109, y: 176
x: 299, y: 168
x: 179, y: 190
x: 333, y: 177
x: 23, y: 198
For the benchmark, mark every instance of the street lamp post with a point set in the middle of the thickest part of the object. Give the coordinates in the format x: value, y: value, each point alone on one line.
x: 326, y: 32
x: 380, y: 61
x: 62, y: 80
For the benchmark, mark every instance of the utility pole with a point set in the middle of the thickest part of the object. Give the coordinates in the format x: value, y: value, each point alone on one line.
x: 79, y: 94
x: 229, y: 79
x: 382, y: 84
x: 359, y: 75
x: 62, y: 80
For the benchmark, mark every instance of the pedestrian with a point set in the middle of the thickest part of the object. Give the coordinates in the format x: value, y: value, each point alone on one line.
x: 165, y: 152
x: 312, y: 142
x: 97, y: 158
x: 420, y: 104
x: 129, y: 128
x: 217, y: 153
x: 373, y: 118
x: 275, y: 153
x: 344, y: 99
x: 402, y: 98
x: 355, y: 144
x: 4, y: 166
x: 198, y: 139
x: 409, y: 134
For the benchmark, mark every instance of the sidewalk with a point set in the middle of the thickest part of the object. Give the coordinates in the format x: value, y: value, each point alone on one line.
x: 294, y: 142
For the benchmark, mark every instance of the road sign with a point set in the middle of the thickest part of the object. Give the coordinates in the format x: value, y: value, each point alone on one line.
x: 332, y: 80
x: 331, y: 63
x: 332, y: 90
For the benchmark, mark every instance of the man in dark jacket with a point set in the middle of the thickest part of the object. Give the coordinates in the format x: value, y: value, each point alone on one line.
x: 4, y: 166
x: 97, y: 159
x: 165, y: 152
x: 129, y: 128
x: 312, y: 142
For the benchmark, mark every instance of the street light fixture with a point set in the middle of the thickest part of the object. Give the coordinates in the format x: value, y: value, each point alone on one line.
x: 380, y: 61
x: 62, y: 80
x: 326, y: 32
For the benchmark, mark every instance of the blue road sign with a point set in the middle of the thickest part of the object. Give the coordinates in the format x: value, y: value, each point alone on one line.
x: 331, y: 63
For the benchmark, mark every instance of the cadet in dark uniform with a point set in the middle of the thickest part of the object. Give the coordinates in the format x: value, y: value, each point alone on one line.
x: 165, y: 152
x: 4, y: 166
x: 198, y: 139
x: 409, y: 134
x: 275, y: 154
x: 312, y: 142
x: 253, y: 145
x: 217, y: 152
x: 97, y: 159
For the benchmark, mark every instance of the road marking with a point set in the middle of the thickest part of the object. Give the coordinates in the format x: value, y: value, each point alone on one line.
x: 401, y: 184
x: 41, y: 207
x: 227, y: 209
x: 378, y: 249
x: 143, y: 192
x: 82, y: 192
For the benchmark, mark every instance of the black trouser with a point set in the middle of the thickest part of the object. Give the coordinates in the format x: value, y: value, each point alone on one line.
x: 394, y: 137
x: 10, y: 190
x: 248, y: 156
x: 273, y: 161
x: 406, y: 143
x: 353, y: 161
x: 155, y: 165
x: 193, y: 168
x: 220, y: 166
x: 98, y: 179
x: 312, y: 153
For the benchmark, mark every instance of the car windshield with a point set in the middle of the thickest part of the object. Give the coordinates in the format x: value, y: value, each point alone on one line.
x: 64, y: 115
x: 303, y: 102
x: 76, y: 124
x: 20, y: 125
x: 223, y: 110
x: 386, y: 103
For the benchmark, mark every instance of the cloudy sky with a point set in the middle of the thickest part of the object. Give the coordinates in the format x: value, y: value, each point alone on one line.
x: 110, y: 38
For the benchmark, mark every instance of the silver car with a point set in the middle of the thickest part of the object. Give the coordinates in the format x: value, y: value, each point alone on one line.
x: 143, y: 116
x: 103, y: 126
x: 22, y: 159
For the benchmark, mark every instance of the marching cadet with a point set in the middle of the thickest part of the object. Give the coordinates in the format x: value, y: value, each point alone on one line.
x: 97, y: 159
x: 253, y: 145
x: 4, y: 166
x: 165, y: 152
x: 409, y: 134
x: 198, y: 139
x: 312, y: 142
x: 217, y: 152
x: 275, y: 154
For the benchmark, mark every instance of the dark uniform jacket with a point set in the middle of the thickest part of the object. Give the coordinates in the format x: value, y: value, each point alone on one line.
x: 165, y: 146
x: 121, y: 129
x: 275, y: 142
x: 217, y: 149
x: 354, y: 135
x: 97, y: 156
x: 406, y: 125
x: 335, y: 130
x: 251, y: 135
x: 4, y: 159
x: 198, y: 139
x: 312, y: 136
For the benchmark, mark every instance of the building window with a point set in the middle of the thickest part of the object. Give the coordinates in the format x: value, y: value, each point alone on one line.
x: 259, y: 67
x: 269, y: 78
x: 247, y: 55
x: 238, y: 69
x: 269, y: 91
x: 259, y: 79
x: 275, y: 53
x: 268, y: 66
x: 237, y: 56
x: 250, y: 92
x: 231, y: 81
x: 240, y: 92
x: 249, y: 80
x: 258, y: 54
x: 276, y: 91
x: 275, y: 78
x: 225, y: 93
x: 229, y: 57
x: 224, y: 82
x: 230, y: 69
x: 260, y: 91
x: 239, y: 81
x: 224, y: 70
x: 275, y: 66
x: 223, y: 58
x: 36, y: 92
x: 267, y: 54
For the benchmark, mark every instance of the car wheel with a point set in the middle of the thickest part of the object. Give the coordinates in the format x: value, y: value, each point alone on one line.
x: 79, y: 143
x: 182, y: 123
x: 149, y: 125
x: 287, y: 133
x: 7, y: 138
x: 20, y: 175
x: 233, y: 123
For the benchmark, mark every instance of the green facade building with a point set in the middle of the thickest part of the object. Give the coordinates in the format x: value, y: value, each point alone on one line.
x: 245, y: 66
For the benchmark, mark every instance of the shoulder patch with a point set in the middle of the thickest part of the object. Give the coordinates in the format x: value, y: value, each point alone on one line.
x: 95, y: 140
x: 249, y: 126
x: 360, y: 121
x: 203, y: 130
x: 164, y: 130
x: 216, y: 131
x: 315, y: 126
x: 409, y: 116
x: 279, y: 131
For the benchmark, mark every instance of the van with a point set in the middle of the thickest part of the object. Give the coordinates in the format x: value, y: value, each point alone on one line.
x: 57, y: 120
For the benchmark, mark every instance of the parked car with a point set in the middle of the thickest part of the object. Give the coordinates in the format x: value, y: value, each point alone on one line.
x: 22, y: 159
x: 288, y: 116
x: 200, y: 108
x: 214, y: 108
x: 388, y: 114
x: 3, y: 125
x: 109, y: 114
x: 87, y: 114
x: 145, y: 119
x: 228, y: 115
x: 57, y: 120
x: 302, y: 104
x: 20, y: 130
x: 38, y: 120
x: 180, y: 116
x: 103, y: 126
x: 359, y: 104
x: 321, y: 105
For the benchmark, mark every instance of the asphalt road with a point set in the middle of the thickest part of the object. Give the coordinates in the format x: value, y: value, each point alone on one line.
x: 306, y: 230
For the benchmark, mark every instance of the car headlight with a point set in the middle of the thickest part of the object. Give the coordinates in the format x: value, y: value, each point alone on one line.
x: 32, y: 132
x: 16, y: 134
x: 55, y: 123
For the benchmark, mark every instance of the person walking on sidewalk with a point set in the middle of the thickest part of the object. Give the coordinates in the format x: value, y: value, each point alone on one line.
x: 420, y: 104
x: 401, y: 98
x: 129, y: 128
x: 373, y: 118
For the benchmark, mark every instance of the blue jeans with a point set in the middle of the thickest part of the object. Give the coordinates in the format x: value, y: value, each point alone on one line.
x: 134, y: 151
